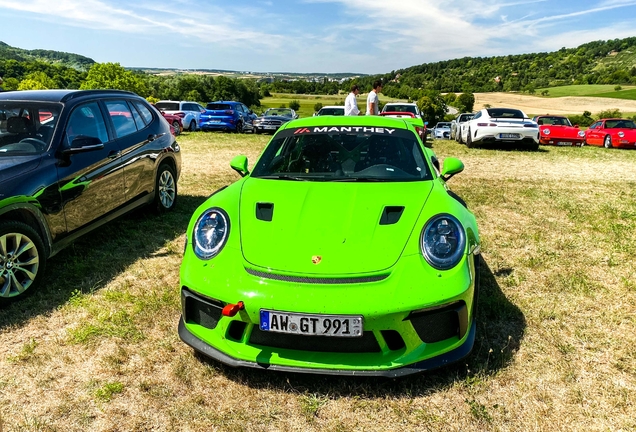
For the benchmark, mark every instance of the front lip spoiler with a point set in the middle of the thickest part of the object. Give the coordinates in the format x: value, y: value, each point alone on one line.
x: 425, y: 365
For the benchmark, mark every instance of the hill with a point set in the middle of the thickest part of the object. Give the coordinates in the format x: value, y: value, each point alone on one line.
x: 75, y: 61
x: 599, y: 62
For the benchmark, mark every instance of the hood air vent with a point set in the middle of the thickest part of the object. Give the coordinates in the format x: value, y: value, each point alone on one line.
x: 391, y: 215
x: 264, y: 211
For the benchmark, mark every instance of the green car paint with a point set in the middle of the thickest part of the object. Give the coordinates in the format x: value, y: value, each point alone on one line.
x: 328, y: 246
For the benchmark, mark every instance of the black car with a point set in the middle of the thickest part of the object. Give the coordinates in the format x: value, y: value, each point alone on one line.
x: 273, y: 119
x: 71, y: 161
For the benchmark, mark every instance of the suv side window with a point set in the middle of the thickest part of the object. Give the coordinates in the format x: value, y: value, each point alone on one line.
x: 121, y: 117
x: 477, y: 115
x: 145, y: 112
x: 190, y: 107
x: 87, y: 120
x: 239, y: 108
x: 139, y: 121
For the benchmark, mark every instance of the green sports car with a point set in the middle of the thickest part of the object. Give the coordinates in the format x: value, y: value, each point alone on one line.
x: 342, y: 252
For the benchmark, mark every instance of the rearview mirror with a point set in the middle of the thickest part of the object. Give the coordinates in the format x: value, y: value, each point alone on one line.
x: 239, y: 164
x: 451, y: 167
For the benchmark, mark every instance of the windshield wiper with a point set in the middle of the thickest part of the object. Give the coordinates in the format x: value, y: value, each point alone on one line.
x: 361, y: 179
x: 283, y: 177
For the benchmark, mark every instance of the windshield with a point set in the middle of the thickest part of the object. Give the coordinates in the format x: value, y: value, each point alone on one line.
x: 505, y: 113
x: 442, y: 125
x: 218, y: 107
x: 344, y: 153
x: 167, y: 106
x: 26, y: 128
x: 278, y: 112
x: 553, y: 121
x: 620, y: 124
x: 331, y: 111
x: 400, y: 108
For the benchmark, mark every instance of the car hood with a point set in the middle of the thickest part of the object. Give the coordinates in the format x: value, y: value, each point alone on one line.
x: 560, y: 131
x: 13, y: 166
x: 327, y: 228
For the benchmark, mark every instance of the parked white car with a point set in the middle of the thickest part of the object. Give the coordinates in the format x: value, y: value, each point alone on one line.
x: 335, y: 110
x: 441, y: 130
x: 456, y: 125
x: 187, y: 110
x: 501, y: 126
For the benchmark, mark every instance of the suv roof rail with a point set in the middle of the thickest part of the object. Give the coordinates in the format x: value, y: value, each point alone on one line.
x: 80, y: 93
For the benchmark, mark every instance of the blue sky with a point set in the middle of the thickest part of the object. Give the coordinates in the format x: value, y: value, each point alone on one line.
x: 360, y: 36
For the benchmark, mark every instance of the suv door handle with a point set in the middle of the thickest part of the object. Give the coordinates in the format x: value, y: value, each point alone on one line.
x: 152, y: 137
x: 114, y: 154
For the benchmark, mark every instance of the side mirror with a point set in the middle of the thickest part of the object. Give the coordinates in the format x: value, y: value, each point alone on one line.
x: 576, y: 126
x: 239, y: 164
x: 82, y: 144
x: 251, y: 112
x: 451, y: 167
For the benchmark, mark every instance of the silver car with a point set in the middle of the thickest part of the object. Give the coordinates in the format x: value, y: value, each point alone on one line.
x: 187, y: 110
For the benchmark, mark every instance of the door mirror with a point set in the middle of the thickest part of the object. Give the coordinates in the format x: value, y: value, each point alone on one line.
x: 451, y: 167
x: 84, y: 143
x: 239, y: 164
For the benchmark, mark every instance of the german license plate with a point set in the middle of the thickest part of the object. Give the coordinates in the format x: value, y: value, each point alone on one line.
x: 311, y: 325
x: 269, y: 127
x: 564, y: 143
x: 508, y: 135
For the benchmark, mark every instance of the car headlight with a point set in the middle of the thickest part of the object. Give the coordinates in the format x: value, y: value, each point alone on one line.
x: 210, y: 233
x: 546, y: 131
x: 443, y: 241
x: 581, y: 134
x: 621, y: 134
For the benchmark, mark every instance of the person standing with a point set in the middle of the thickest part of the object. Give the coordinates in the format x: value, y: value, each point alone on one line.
x: 351, y: 105
x: 373, y: 102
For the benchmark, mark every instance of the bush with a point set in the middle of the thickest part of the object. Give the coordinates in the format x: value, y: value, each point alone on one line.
x: 584, y: 120
x: 317, y: 106
x: 611, y: 113
x: 618, y: 88
x: 294, y: 104
x: 545, y: 92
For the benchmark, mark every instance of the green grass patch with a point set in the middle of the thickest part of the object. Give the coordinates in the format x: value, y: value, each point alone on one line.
x: 596, y: 90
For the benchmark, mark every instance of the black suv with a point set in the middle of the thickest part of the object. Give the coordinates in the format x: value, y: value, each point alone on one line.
x: 71, y: 161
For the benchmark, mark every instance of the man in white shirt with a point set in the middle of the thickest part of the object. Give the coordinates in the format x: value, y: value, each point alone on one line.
x: 351, y: 105
x: 373, y: 102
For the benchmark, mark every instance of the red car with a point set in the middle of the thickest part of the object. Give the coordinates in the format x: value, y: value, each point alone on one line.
x: 620, y: 133
x: 174, y: 121
x: 557, y: 130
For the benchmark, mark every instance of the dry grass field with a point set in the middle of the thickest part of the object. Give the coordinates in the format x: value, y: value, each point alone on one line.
x: 97, y: 348
x: 535, y: 105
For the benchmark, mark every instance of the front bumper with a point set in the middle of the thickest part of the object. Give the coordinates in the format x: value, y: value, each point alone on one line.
x: 414, y: 320
x: 447, y: 358
x: 556, y: 141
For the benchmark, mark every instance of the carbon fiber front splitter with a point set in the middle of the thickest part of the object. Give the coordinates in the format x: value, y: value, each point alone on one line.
x: 425, y: 365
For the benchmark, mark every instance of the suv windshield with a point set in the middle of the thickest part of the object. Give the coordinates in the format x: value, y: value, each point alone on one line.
x: 344, y: 153
x: 26, y: 128
x: 167, y: 106
x: 218, y: 107
x: 278, y: 112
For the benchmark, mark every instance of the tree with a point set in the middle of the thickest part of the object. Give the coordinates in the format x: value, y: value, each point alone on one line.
x: 114, y: 76
x: 317, y: 106
x: 37, y: 81
x: 294, y: 104
x: 465, y: 102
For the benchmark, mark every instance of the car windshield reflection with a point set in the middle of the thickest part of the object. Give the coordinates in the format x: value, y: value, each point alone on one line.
x: 344, y: 157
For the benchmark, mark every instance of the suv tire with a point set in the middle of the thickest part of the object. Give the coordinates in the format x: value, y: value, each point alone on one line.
x: 165, y: 189
x: 22, y: 260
